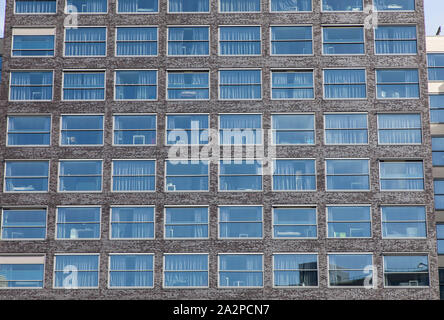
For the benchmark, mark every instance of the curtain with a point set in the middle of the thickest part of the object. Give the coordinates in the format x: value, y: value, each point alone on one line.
x: 140, y: 85
x: 294, y: 175
x: 189, y: 85
x: 133, y: 175
x: 238, y: 222
x: 342, y: 5
x: 402, y: 175
x: 84, y: 86
x: 291, y: 5
x: 240, y: 121
x: 240, y: 270
x: 240, y: 84
x: 395, y: 39
x: 397, y: 83
x: 344, y: 84
x: 35, y: 6
x: 399, y: 128
x: 136, y: 41
x: 292, y: 85
x: 240, y: 40
x: 186, y: 222
x: 240, y: 5
x: 295, y: 270
x: 131, y: 270
x: 346, y: 129
x: 186, y: 270
x: 89, y: 5
x: 189, y: 6
x: 85, y: 42
x: 31, y: 85
x: 137, y: 6
x: 75, y: 223
x: 85, y: 270
x: 136, y: 223
x: 188, y: 41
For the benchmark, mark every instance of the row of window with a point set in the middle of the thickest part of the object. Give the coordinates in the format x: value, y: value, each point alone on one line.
x: 234, y: 84
x: 234, y: 222
x: 203, y: 6
x: 234, y: 270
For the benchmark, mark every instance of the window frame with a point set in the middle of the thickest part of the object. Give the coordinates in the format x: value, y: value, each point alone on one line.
x: 295, y: 114
x: 402, y: 254
x: 23, y: 208
x: 30, y: 85
x: 261, y: 130
x: 349, y: 190
x: 116, y: 41
x: 29, y: 115
x: 315, y: 174
x: 219, y: 54
x: 219, y: 84
x: 180, y: 160
x: 401, y: 160
x: 81, y: 71
x: 394, y: 40
x: 295, y: 206
x: 346, y: 129
x: 37, y: 13
x: 187, y: 130
x: 165, y: 224
x: 373, y: 270
x: 270, y: 45
x: 35, y: 256
x: 343, y: 26
x: 140, y: 85
x: 441, y: 151
x: 345, y: 11
x: 54, y: 49
x: 147, y: 12
x: 76, y: 254
x: 56, y: 223
x: 395, y: 129
x: 437, y: 67
x: 109, y: 270
x: 134, y: 114
x: 184, y: 71
x: 219, y: 221
x: 164, y: 254
x: 134, y: 191
x: 27, y: 160
x: 110, y: 235
x: 397, y: 83
x: 425, y: 221
x: 80, y: 115
x: 291, y: 70
x: 86, y: 13
x: 294, y: 253
x: 59, y: 161
x: 85, y: 56
x: 167, y: 40
x: 345, y: 84
x: 440, y: 109
x: 246, y: 271
x: 231, y: 160
x: 370, y: 222
x: 435, y: 194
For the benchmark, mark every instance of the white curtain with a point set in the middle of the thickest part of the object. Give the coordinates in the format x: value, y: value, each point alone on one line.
x: 346, y: 128
x: 89, y: 5
x: 84, y: 85
x: 87, y: 269
x: 240, y: 5
x: 397, y: 83
x: 344, y: 83
x: 137, y: 6
x: 35, y: 6
x: 292, y: 85
x: 188, y: 41
x: 140, y: 85
x: 132, y: 222
x: 395, y: 39
x: 291, y: 5
x: 189, y: 85
x: 186, y: 270
x: 294, y: 175
x: 239, y: 40
x: 189, y: 5
x: 240, y: 270
x: 136, y: 41
x: 133, y: 175
x: 186, y: 222
x: 399, y: 128
x: 31, y: 85
x: 131, y: 270
x: 240, y: 84
x: 85, y: 41
x: 295, y: 270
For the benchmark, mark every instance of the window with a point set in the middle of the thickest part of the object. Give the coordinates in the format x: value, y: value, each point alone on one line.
x: 397, y: 84
x: 342, y: 5
x: 347, y: 175
x: 80, y: 175
x: 31, y: 86
x: 185, y: 270
x: 240, y: 175
x: 436, y: 108
x: 435, y: 63
x: 132, y: 223
x: 241, y: 270
x: 29, y: 130
x: 81, y: 130
x: 294, y: 222
x: 401, y: 175
x: 292, y: 84
x: 237, y: 129
x: 134, y: 129
x: 83, y: 85
x: 350, y: 270
x: 131, y: 270
x: 239, y: 41
x: 406, y: 271
x: 294, y: 175
x: 403, y: 221
x: 439, y: 194
x: 397, y: 128
x: 346, y: 128
x: 440, y: 238
x: 240, y: 222
x: 23, y: 224
x: 188, y: 41
x: 83, y: 41
x: 137, y: 6
x: 87, y: 6
x: 345, y: 84
x: 78, y: 223
x: 186, y: 222
x: 395, y: 40
x: 240, y: 85
x: 438, y: 151
x: 37, y: 42
x: 26, y: 176
x: 295, y: 270
x: 35, y: 6
x: 291, y: 40
x: 293, y: 129
x: 178, y: 6
x: 290, y: 5
x: 343, y: 40
x: 134, y: 175
x: 349, y: 221
x: 188, y: 85
x: 240, y: 5
x: 394, y: 5
x: 187, y: 175
x: 85, y: 268
x: 136, y: 85
x: 136, y: 41
x: 189, y: 129
x: 21, y: 272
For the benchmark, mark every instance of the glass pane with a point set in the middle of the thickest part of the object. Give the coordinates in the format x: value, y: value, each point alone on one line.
x: 290, y: 5
x: 29, y: 130
x: 240, y: 5
x: 21, y: 275
x: 342, y: 5
x: 347, y: 167
x: 88, y: 6
x: 137, y: 6
x: 188, y: 6
x: 405, y: 264
x: 35, y: 6
x: 394, y: 5
x: 33, y: 45
x: 294, y: 216
x: 74, y: 168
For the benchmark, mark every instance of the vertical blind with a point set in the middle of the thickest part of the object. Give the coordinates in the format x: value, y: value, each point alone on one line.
x: 294, y: 174
x: 89, y: 6
x: 85, y: 41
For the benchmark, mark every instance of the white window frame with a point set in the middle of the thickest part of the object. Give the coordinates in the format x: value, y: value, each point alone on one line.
x: 289, y: 113
x: 144, y: 222
x: 146, y: 85
x: 348, y: 26
x: 294, y: 253
x: 347, y: 99
x: 404, y: 221
x: 370, y: 222
x: 83, y: 71
x: 165, y: 224
x: 185, y: 287
x: 165, y: 186
x: 134, y: 114
x: 147, y: 12
x: 373, y: 270
x: 188, y: 130
x: 77, y: 239
x: 24, y: 208
x: 37, y: 13
x: 189, y: 12
x: 405, y: 254
x: 270, y: 11
x: 398, y: 83
x: 31, y: 70
x: 398, y: 160
x: 190, y: 70
x: 129, y: 254
x: 33, y: 32
x: 65, y: 11
x: 354, y: 190
x: 241, y: 175
x: 27, y: 160
x: 76, y: 254
x: 261, y: 130
x: 26, y: 257
x: 291, y: 70
x: 79, y: 160
x: 239, y: 238
x: 240, y: 253
x: 270, y: 42
x: 240, y: 26
x: 345, y: 11
x: 291, y: 206
x: 394, y: 129
x: 241, y: 12
x: 134, y: 191
x: 346, y: 129
x: 29, y: 115
x: 81, y: 145
x: 86, y: 56
x: 315, y: 174
x: 116, y: 29
x: 167, y: 40
x: 395, y: 25
x: 239, y: 69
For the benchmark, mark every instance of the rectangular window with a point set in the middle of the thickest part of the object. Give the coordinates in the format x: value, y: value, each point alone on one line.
x: 134, y: 175
x: 292, y: 84
x: 241, y: 270
x: 185, y: 270
x: 346, y: 128
x: 294, y: 175
x: 38, y: 42
x: 240, y: 85
x: 397, y: 128
x: 291, y: 40
x: 350, y: 270
x: 188, y: 6
x: 345, y: 84
x: 136, y: 129
x: 343, y: 40
x: 80, y: 175
x: 78, y: 223
x: 81, y: 130
x: 83, y: 85
x: 291, y: 5
x: 136, y: 85
x: 438, y: 151
x: 397, y: 84
x: 293, y: 129
x: 240, y: 5
x: 187, y: 175
x: 87, y: 6
x: 435, y: 62
x: 86, y: 267
x: 394, y: 5
x: 29, y: 130
x: 238, y: 129
x: 406, y: 271
x: 85, y: 41
x: 436, y: 108
x: 294, y: 222
x: 440, y: 239
x: 137, y: 6
x: 401, y: 175
x: 439, y: 194
x: 23, y: 224
x: 349, y: 221
x: 188, y: 85
x: 395, y: 40
x: 128, y: 271
x: 22, y: 272
x: 239, y: 41
x: 26, y: 176
x: 295, y: 270
x: 191, y: 129
x: 136, y: 41
x: 347, y: 175
x: 31, y: 86
x: 240, y: 175
x: 240, y: 222
x: 403, y: 221
x: 35, y: 6
x: 132, y: 223
x: 342, y: 5
x: 188, y: 41
x: 186, y: 222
